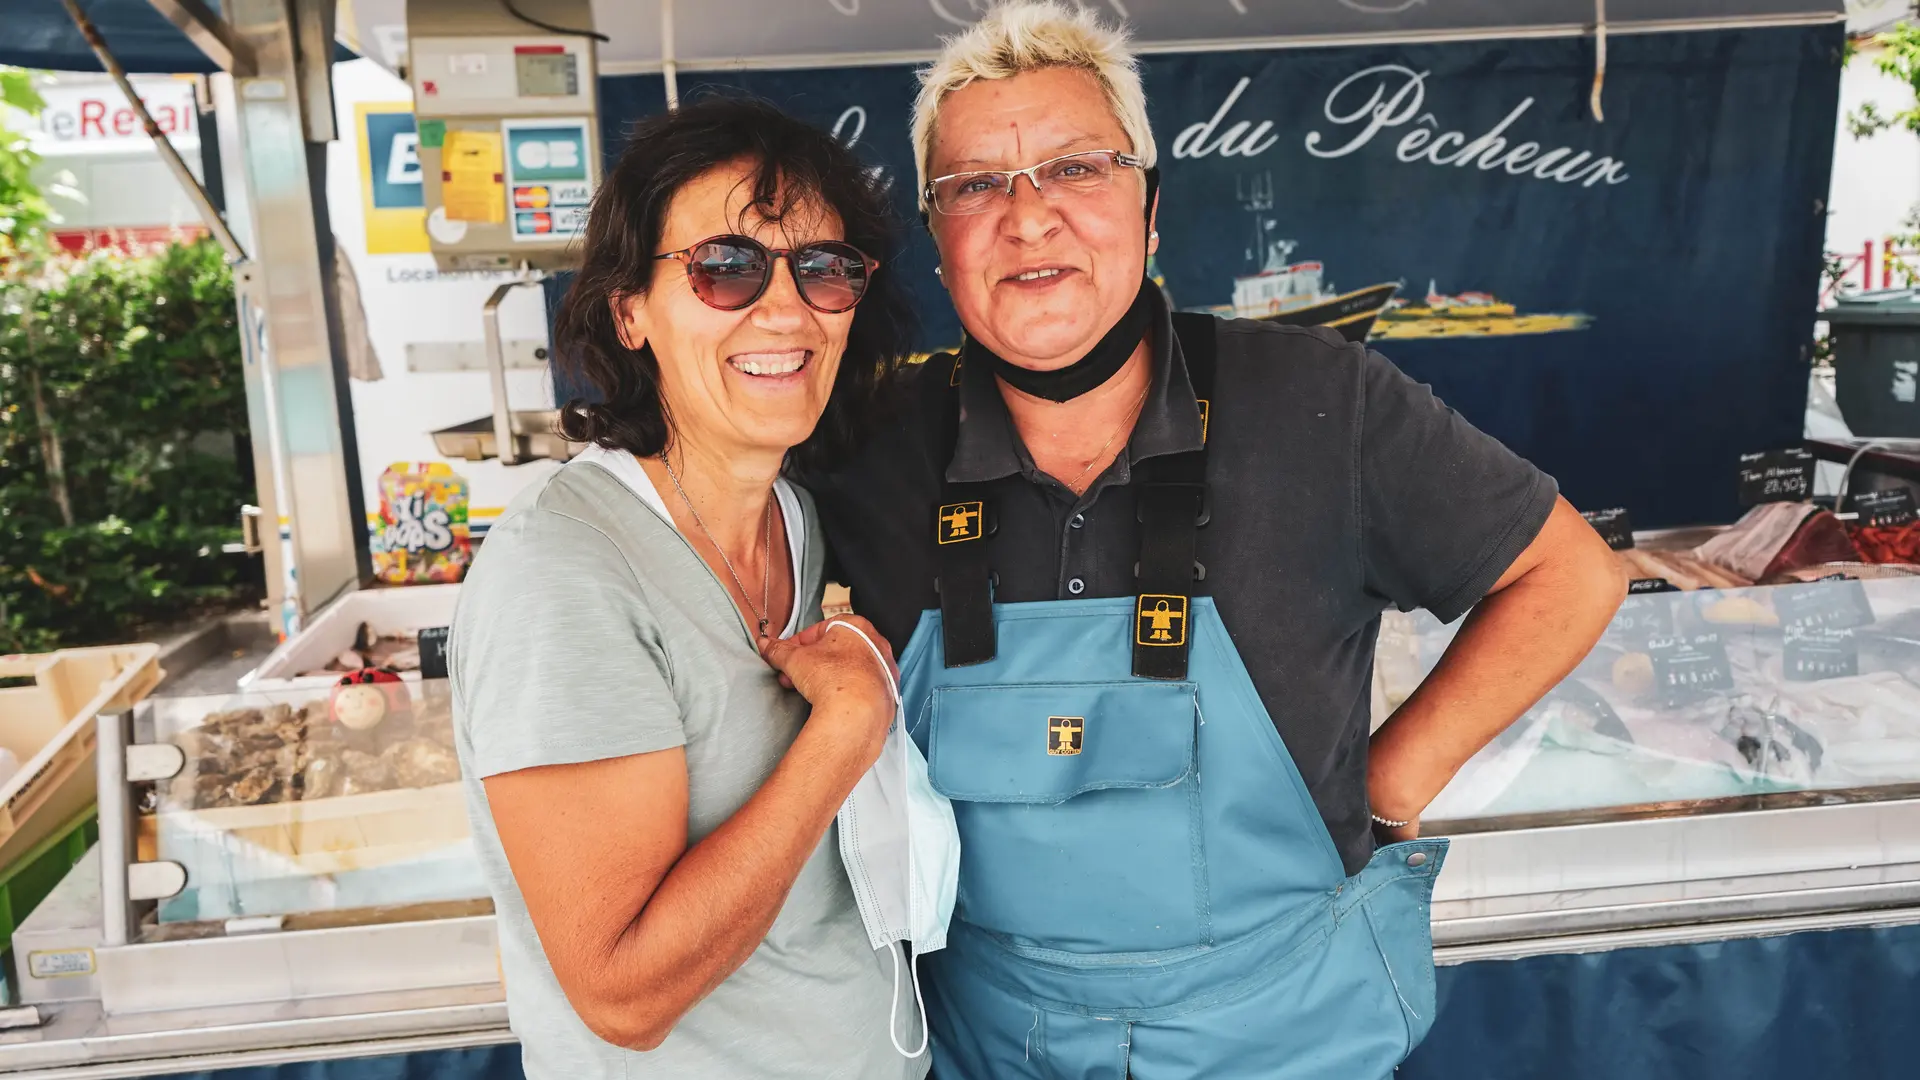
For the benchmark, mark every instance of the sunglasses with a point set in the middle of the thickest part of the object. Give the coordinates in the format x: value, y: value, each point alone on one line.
x: 732, y: 272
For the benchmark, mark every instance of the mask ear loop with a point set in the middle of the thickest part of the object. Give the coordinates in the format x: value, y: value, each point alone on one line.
x: 893, y: 1014
x: 893, y: 947
x: 885, y: 671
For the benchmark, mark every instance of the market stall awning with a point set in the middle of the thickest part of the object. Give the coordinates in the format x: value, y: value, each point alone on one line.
x: 719, y: 34
x: 39, y: 34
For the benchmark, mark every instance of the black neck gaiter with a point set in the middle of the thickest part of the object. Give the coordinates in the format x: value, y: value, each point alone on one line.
x: 1101, y: 363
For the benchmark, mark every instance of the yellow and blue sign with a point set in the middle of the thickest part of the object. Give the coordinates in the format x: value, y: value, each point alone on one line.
x: 391, y: 194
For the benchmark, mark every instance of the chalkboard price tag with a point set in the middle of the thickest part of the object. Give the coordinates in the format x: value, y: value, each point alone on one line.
x: 1642, y: 617
x: 1776, y: 476
x: 1643, y: 585
x: 1689, y: 664
x: 1887, y: 509
x: 1830, y: 603
x: 1814, y: 653
x: 1614, y: 526
x: 433, y: 653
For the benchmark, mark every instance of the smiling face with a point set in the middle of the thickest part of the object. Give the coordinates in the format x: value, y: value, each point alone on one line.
x: 1038, y: 281
x: 742, y: 382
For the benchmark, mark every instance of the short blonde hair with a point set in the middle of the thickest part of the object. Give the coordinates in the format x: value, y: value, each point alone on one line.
x: 1018, y: 36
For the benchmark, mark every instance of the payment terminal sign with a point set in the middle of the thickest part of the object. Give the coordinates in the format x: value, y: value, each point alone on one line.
x: 548, y: 182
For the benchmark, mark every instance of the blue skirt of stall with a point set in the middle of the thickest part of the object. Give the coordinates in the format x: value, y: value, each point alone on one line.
x: 1839, y: 1003
x: 1832, y: 1004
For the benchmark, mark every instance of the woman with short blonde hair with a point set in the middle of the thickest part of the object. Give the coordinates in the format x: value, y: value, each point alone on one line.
x: 1103, y: 521
x: 1017, y: 38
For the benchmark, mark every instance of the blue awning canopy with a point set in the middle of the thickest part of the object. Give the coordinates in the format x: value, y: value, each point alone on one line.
x: 718, y: 34
x: 40, y: 34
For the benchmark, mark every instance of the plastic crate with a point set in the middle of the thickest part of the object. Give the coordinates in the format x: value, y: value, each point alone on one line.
x: 48, y: 723
x: 27, y: 882
x: 395, y: 610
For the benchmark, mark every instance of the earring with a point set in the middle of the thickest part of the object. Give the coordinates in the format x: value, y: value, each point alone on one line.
x: 1154, y: 235
x: 936, y: 271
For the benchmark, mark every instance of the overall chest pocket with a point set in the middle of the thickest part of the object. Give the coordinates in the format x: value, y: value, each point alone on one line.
x: 1079, y: 812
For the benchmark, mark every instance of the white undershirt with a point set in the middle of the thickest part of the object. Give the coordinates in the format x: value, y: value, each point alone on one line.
x: 626, y: 468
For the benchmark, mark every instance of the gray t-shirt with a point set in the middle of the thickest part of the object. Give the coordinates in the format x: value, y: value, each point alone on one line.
x: 588, y: 629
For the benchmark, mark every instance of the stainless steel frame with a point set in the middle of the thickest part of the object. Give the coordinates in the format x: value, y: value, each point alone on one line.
x: 299, y: 965
x: 80, y: 1042
x: 513, y: 437
x: 1523, y: 889
x: 115, y: 846
x: 294, y: 395
x: 503, y: 434
x: 205, y: 999
x: 209, y: 32
x: 269, y: 455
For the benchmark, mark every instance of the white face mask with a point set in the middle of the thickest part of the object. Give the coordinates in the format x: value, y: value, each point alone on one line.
x: 902, y: 853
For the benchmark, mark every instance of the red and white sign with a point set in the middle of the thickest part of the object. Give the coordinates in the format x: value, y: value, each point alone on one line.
x: 89, y: 115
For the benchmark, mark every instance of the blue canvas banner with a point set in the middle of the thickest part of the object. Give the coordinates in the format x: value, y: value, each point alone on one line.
x: 1627, y: 303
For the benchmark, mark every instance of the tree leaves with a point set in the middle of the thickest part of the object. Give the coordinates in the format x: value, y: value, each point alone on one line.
x: 139, y: 361
x: 1900, y: 58
x: 16, y: 89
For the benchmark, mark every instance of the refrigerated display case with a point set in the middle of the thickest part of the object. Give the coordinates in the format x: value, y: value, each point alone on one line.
x: 1723, y: 762
x: 1728, y: 769
x: 285, y: 873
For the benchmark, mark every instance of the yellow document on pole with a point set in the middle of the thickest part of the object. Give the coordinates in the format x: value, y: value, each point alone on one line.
x: 472, y: 187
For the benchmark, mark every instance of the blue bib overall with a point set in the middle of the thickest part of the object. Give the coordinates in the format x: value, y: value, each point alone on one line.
x: 1146, y: 888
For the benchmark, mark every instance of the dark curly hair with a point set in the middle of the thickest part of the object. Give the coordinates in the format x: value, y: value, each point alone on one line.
x: 795, y: 165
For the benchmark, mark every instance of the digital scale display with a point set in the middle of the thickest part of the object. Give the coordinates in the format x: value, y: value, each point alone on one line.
x: 546, y: 71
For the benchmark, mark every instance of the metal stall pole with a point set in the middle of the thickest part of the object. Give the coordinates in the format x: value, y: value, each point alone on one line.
x: 669, y: 66
x: 506, y: 440
x: 260, y: 523
x: 297, y: 401
x: 116, y: 844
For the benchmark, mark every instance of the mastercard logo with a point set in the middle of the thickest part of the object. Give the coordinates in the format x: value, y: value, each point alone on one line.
x: 532, y: 198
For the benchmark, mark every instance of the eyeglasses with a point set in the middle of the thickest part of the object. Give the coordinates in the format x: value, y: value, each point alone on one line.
x: 1069, y: 174
x: 731, y: 272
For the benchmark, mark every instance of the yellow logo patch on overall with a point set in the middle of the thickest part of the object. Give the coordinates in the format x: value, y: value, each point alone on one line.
x: 960, y: 521
x: 1162, y: 620
x: 1065, y: 734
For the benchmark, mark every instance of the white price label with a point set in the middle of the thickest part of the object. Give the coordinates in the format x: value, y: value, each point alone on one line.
x: 60, y: 963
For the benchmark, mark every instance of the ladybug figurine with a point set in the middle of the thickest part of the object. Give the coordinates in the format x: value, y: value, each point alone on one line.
x: 370, y: 699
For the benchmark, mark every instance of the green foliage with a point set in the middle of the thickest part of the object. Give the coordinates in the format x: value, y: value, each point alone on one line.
x: 23, y: 209
x: 123, y: 435
x: 1900, y: 58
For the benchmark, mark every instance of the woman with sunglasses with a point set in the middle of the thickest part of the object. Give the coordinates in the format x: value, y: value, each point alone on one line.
x: 653, y: 808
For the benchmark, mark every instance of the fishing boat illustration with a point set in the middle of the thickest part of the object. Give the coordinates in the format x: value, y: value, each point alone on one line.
x: 1298, y: 294
x: 1466, y: 305
x: 1468, y: 314
x: 1294, y: 293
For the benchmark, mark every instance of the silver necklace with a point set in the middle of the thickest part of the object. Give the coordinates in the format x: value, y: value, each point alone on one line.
x: 766, y: 583
x: 1105, y: 446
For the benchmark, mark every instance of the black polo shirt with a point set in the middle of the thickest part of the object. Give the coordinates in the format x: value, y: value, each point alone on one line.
x: 1339, y: 486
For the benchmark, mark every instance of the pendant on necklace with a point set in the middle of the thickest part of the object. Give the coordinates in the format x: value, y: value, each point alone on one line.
x: 763, y: 628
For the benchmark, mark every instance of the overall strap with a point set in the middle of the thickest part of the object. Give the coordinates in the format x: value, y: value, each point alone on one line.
x: 1172, y: 506
x: 962, y: 522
